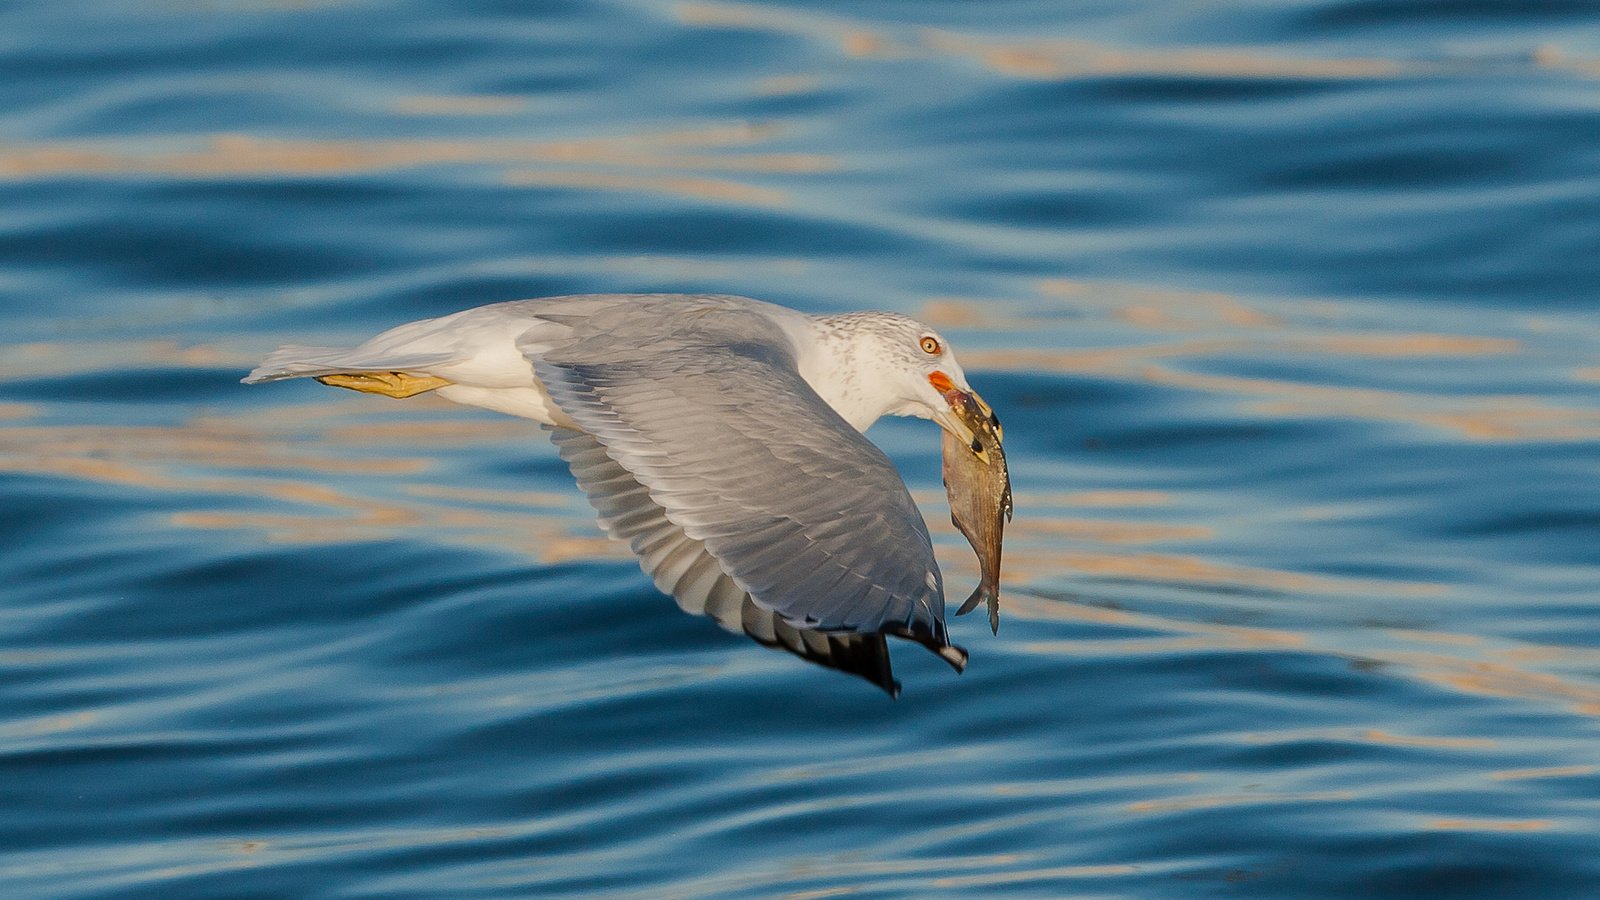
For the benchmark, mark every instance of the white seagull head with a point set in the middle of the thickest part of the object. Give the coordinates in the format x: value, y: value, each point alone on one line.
x: 880, y: 363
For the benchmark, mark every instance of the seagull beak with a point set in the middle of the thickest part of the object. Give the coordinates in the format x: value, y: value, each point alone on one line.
x: 961, y: 408
x: 950, y: 422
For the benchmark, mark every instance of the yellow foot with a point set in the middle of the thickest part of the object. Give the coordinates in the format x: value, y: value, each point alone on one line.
x: 389, y: 384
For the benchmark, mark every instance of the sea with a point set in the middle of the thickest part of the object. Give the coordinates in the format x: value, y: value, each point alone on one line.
x: 1291, y: 310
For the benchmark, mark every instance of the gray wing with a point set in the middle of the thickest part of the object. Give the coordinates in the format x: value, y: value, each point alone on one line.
x: 704, y: 407
x: 681, y: 568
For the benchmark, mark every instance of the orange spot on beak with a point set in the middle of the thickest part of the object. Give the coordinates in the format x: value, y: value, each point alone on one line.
x: 941, y: 382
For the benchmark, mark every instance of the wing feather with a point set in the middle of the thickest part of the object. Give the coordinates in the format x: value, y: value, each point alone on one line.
x: 707, y: 410
x: 693, y: 576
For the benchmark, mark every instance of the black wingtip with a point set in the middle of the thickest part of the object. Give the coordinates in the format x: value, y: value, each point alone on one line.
x: 955, y: 656
x: 936, y: 639
x: 866, y: 656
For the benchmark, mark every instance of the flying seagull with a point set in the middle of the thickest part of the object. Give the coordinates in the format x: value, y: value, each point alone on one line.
x: 721, y: 438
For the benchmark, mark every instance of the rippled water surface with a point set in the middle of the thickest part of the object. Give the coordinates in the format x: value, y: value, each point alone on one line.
x: 1291, y: 310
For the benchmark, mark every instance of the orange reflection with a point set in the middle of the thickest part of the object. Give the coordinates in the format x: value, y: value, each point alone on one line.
x: 1036, y: 500
x: 1036, y: 552
x: 1194, y: 570
x: 1502, y: 679
x: 1512, y: 825
x: 699, y: 188
x: 1389, y: 739
x: 1551, y: 56
x: 1371, y: 736
x: 1157, y: 307
x: 1062, y: 59
x: 23, y: 728
x: 1482, y: 418
x: 1406, y: 346
x: 636, y: 162
x: 1438, y: 637
x: 240, y: 154
x: 1101, y: 498
x: 460, y: 105
x: 787, y: 85
x: 852, y: 39
x: 1244, y: 798
x: 1033, y: 59
x: 1106, y: 532
x: 65, y: 357
x: 1023, y: 876
x: 1492, y: 671
x: 1546, y: 772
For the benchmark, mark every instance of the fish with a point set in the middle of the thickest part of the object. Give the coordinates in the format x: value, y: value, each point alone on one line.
x: 978, y: 485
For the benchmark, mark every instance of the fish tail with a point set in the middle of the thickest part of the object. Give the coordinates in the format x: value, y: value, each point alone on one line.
x: 978, y: 596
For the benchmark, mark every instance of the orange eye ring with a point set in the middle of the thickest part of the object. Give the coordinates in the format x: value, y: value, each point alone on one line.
x: 930, y: 345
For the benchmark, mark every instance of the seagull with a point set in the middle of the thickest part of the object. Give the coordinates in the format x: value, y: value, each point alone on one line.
x: 721, y: 438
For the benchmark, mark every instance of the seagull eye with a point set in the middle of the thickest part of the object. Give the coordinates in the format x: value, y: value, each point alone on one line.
x: 930, y: 345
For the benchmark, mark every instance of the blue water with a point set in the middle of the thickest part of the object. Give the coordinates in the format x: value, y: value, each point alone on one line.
x: 1290, y: 310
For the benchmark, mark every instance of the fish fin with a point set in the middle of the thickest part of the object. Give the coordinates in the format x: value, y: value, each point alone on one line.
x: 972, y: 601
x: 978, y: 596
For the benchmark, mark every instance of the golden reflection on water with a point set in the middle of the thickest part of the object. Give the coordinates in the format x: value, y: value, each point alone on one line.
x: 853, y: 39
x: 1374, y: 736
x: 1215, y: 326
x: 1029, y: 58
x: 42, y: 725
x: 1043, y: 58
x: 1486, y: 418
x: 1195, y: 570
x: 1060, y: 59
x: 787, y: 85
x: 242, y: 154
x: 1155, y: 307
x: 1109, y: 532
x: 460, y: 105
x: 1486, y: 670
x: 1544, y: 772
x: 1023, y: 876
x: 1501, y: 678
x: 680, y: 185
x: 915, y: 876
x: 1512, y: 825
x: 85, y: 356
x: 627, y: 162
x: 1102, y: 498
x: 1242, y: 798
x: 1378, y: 736
x: 1553, y: 57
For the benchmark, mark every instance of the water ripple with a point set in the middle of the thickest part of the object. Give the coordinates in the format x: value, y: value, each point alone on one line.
x: 1288, y: 311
